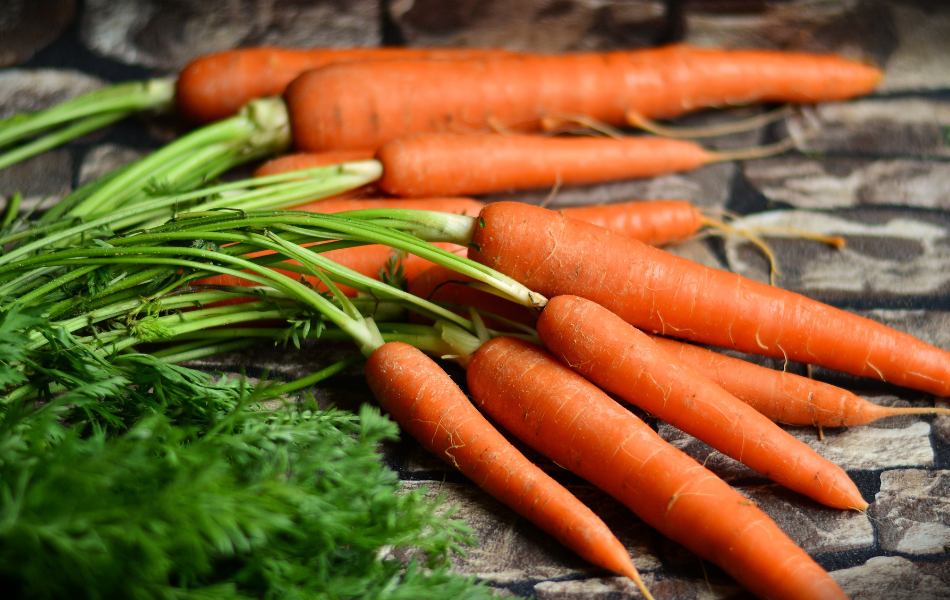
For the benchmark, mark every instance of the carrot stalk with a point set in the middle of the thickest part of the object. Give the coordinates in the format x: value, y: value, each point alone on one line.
x: 427, y: 404
x: 572, y: 422
x: 622, y: 360
x: 785, y: 397
x: 661, y: 293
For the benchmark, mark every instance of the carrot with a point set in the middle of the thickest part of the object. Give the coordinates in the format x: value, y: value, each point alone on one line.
x: 458, y: 206
x: 441, y: 284
x: 216, y: 86
x: 427, y: 404
x: 309, y: 160
x: 784, y: 397
x: 661, y: 293
x: 571, y: 421
x: 653, y: 222
x: 363, y: 105
x: 624, y: 361
x: 451, y: 164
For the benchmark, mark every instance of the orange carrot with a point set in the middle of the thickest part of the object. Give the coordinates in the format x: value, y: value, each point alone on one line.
x: 622, y: 360
x: 450, y: 164
x: 309, y: 160
x: 661, y: 293
x: 427, y: 404
x: 571, y: 421
x: 363, y: 105
x: 653, y: 222
x: 458, y: 206
x: 441, y: 284
x: 216, y: 86
x: 784, y: 397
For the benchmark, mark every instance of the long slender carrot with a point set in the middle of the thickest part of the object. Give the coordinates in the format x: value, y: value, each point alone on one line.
x: 427, y: 404
x: 785, y: 397
x: 309, y: 160
x: 661, y: 293
x: 363, y: 105
x: 444, y: 164
x: 624, y: 361
x: 574, y: 423
x: 458, y: 206
x: 216, y: 86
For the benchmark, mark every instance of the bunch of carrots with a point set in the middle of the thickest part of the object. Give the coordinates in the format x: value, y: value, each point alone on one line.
x: 567, y: 306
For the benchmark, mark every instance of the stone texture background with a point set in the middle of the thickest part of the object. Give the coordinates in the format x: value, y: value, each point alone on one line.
x: 876, y: 170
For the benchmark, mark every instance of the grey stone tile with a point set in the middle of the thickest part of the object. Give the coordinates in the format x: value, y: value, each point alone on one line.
x: 534, y: 25
x: 675, y: 588
x: 817, y: 529
x: 511, y: 549
x: 836, y: 182
x: 890, y: 578
x: 912, y: 511
x: 43, y: 179
x: 874, y: 126
x: 889, y: 253
x: 104, y: 159
x: 921, y: 60
x: 605, y: 588
x: 23, y: 90
x: 28, y: 25
x: 169, y: 35
x: 865, y: 448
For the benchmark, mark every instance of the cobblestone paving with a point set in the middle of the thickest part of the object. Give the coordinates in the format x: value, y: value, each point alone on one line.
x: 875, y: 170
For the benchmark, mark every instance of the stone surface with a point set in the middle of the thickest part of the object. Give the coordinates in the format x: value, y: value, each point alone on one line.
x: 168, y: 35
x: 23, y: 90
x: 607, y: 588
x: 535, y: 25
x: 104, y: 159
x: 921, y: 60
x: 889, y: 253
x: 912, y: 511
x: 891, y: 577
x: 817, y: 529
x: 836, y: 182
x: 28, y: 25
x: 874, y: 126
x: 43, y: 179
x: 511, y: 549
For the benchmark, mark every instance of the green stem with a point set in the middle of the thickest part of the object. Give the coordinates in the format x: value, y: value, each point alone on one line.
x: 58, y: 138
x: 200, y: 349
x: 11, y: 211
x: 317, y: 377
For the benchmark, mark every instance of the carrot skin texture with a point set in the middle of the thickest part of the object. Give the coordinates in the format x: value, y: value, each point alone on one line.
x: 667, y: 295
x: 621, y: 360
x: 452, y: 165
x: 363, y: 105
x: 780, y: 396
x: 653, y: 222
x: 426, y: 403
x: 458, y: 206
x: 218, y: 85
x: 574, y: 423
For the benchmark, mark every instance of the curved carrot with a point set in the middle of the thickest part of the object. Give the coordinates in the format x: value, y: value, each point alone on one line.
x: 571, y: 421
x: 622, y: 360
x: 784, y: 397
x: 427, y: 404
x: 216, y: 86
x: 363, y: 105
x: 661, y: 293
x: 449, y: 164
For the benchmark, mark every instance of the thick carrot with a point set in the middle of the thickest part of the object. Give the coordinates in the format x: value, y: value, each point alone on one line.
x: 216, y: 86
x: 653, y: 222
x: 451, y: 164
x: 427, y: 404
x: 781, y: 396
x: 622, y: 360
x: 363, y: 105
x: 661, y: 293
x: 574, y: 423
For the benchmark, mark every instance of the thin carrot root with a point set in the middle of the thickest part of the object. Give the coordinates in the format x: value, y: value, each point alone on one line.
x: 754, y: 152
x: 555, y: 124
x: 748, y: 124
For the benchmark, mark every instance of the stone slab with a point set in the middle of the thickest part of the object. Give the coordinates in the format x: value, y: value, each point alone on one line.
x: 912, y: 511
x: 891, y: 578
x: 532, y: 25
x: 168, y: 35
x: 28, y: 25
